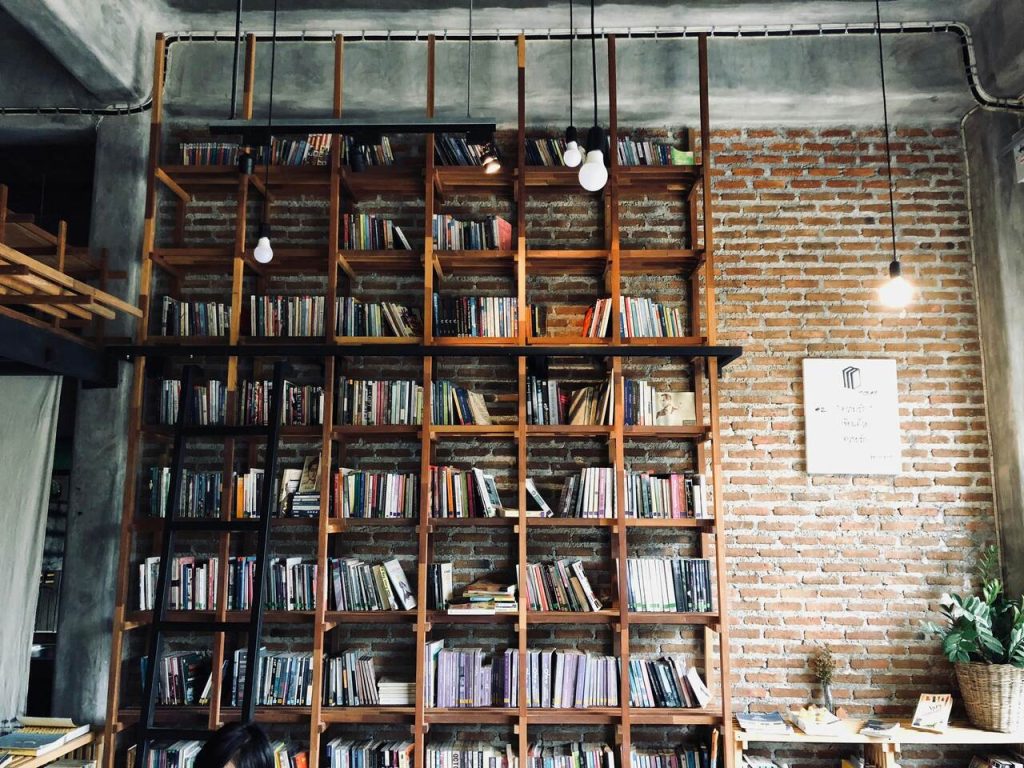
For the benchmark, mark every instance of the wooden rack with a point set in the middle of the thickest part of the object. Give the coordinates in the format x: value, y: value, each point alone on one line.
x: 518, y: 182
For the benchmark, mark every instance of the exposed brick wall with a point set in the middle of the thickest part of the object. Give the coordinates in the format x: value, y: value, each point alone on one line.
x: 801, y: 233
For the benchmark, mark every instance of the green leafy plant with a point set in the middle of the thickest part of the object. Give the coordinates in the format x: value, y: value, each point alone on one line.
x: 988, y: 627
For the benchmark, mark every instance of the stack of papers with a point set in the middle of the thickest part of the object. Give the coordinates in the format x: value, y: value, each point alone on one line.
x: 763, y: 722
x: 392, y: 693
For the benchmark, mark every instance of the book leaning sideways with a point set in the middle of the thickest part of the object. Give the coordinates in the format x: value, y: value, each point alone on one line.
x: 38, y: 735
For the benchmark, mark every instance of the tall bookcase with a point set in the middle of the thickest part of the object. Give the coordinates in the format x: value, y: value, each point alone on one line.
x: 693, y: 261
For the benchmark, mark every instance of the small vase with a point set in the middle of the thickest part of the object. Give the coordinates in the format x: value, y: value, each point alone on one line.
x: 826, y: 697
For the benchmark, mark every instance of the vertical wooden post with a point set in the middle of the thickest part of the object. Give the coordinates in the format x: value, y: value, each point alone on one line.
x: 110, y: 730
x: 3, y: 211
x: 428, y: 208
x: 423, y: 564
x: 62, y: 247
x: 612, y: 195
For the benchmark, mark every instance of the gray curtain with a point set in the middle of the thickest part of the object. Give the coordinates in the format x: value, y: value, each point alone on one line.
x: 28, y: 423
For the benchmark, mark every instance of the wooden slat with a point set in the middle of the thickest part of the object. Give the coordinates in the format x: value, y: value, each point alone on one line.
x: 173, y: 186
x: 44, y: 298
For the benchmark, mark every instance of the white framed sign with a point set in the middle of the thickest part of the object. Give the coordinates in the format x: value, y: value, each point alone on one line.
x: 852, y: 417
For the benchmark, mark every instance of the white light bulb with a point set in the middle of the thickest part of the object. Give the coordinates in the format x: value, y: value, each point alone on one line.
x: 896, y: 292
x: 593, y: 174
x: 263, y: 253
x: 572, y: 155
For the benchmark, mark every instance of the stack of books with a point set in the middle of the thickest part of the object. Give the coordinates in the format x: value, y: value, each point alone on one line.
x: 393, y: 693
x: 485, y: 597
x: 312, y: 150
x: 359, y: 586
x: 372, y: 403
x: 248, y: 488
x: 345, y: 753
x: 350, y: 680
x: 368, y: 154
x: 367, y: 232
x: 362, y: 494
x: 452, y: 149
x: 647, y: 406
x: 194, y: 318
x: 643, y: 318
x: 192, y: 583
x: 480, y: 316
x: 206, y: 406
x: 354, y: 318
x: 286, y: 316
x: 457, y: 492
x: 457, y: 678
x: 559, y: 586
x: 590, y: 494
x: 200, y: 493
x: 546, y: 152
x: 284, y: 679
x: 450, y: 234
x: 452, y: 754
x: 303, y: 403
x: 241, y: 575
x: 291, y: 584
x: 669, y: 584
x: 667, y: 496
x: 666, y: 682
x: 567, y: 679
x: 454, y: 405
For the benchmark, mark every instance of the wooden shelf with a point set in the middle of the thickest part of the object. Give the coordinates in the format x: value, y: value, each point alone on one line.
x: 167, y: 715
x: 342, y: 524
x: 675, y: 716
x: 369, y: 617
x: 207, y: 179
x: 473, y: 522
x: 657, y: 180
x: 472, y: 179
x: 556, y: 179
x: 682, y: 432
x: 356, y: 341
x: 396, y: 431
x: 569, y: 430
x: 495, y: 431
x: 385, y: 262
x: 606, y: 616
x: 84, y: 742
x: 367, y: 714
x: 390, y: 181
x: 482, y: 261
x: 138, y: 619
x: 659, y: 261
x: 673, y: 618
x: 217, y: 432
x: 540, y: 261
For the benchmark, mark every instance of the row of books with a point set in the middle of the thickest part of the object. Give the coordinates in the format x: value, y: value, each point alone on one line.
x: 440, y: 585
x: 368, y: 494
x: 200, y: 494
x: 645, y: 405
x: 452, y: 404
x: 450, y: 234
x: 192, y: 585
x: 372, y: 753
x: 360, y: 586
x: 646, y: 152
x: 194, y: 318
x: 458, y: 492
x: 669, y: 584
x: 286, y: 316
x: 314, y: 149
x: 366, y: 402
x: 546, y: 401
x: 386, y: 318
x: 479, y: 316
x: 593, y: 404
x: 666, y: 682
x: 350, y: 680
x: 183, y: 677
x: 589, y: 494
x: 303, y: 404
x: 680, y: 757
x: 546, y: 152
x: 206, y: 405
x: 452, y: 149
x: 462, y: 754
x: 640, y: 317
x: 368, y: 232
x: 559, y: 586
x: 356, y: 153
x: 672, y: 495
x: 291, y: 584
x: 182, y: 754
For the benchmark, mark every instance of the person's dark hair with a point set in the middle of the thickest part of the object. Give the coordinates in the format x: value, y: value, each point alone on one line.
x: 246, y: 746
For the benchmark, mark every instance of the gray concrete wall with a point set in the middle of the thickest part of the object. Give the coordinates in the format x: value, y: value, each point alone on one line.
x: 97, y: 480
x: 997, y: 208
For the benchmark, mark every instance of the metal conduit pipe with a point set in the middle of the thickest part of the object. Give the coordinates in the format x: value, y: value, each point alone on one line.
x: 961, y: 30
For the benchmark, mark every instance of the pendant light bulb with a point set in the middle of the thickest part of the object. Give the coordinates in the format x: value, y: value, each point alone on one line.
x: 490, y: 161
x: 593, y: 173
x: 896, y: 292
x: 263, y: 253
x: 571, y: 155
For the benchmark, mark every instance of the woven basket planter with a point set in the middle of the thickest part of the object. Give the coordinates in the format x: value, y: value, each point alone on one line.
x: 993, y: 695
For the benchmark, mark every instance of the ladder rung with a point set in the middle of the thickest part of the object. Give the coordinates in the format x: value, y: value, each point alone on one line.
x: 263, y: 430
x: 168, y: 732
x: 199, y: 524
x: 197, y: 625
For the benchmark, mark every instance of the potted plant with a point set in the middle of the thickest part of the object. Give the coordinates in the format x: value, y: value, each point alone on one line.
x: 984, y: 638
x: 824, y: 670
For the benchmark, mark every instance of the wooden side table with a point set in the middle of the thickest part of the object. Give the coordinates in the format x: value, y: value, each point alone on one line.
x: 86, y: 747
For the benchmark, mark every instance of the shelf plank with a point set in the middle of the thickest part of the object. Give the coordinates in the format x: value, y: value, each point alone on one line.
x: 507, y: 431
x: 673, y: 618
x: 569, y: 430
x: 386, y: 262
x: 682, y: 432
x: 370, y: 617
x: 342, y: 524
x: 848, y: 732
x: 371, y: 714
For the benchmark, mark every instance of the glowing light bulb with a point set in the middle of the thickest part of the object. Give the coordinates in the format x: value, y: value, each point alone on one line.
x: 593, y: 174
x: 263, y: 253
x: 571, y: 156
x: 896, y: 292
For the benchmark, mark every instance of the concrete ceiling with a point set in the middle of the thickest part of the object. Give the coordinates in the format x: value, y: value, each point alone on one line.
x: 105, y: 46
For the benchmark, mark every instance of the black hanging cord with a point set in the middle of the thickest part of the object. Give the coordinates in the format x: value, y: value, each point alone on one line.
x: 234, y: 63
x: 572, y: 38
x: 885, y: 117
x: 593, y: 57
x: 270, y: 122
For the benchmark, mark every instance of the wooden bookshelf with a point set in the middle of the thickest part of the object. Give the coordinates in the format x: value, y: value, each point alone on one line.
x: 516, y: 183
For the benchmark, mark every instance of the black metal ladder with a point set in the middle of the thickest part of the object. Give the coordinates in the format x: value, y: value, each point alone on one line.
x: 161, y: 624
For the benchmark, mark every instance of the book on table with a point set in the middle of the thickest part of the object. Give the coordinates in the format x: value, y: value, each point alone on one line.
x: 763, y: 722
x: 39, y: 735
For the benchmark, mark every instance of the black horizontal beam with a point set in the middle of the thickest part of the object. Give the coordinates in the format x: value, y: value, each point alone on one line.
x: 175, y: 734
x: 290, y: 348
x: 31, y: 350
x: 259, y: 131
x: 224, y: 526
